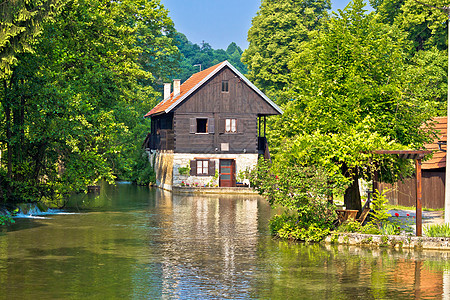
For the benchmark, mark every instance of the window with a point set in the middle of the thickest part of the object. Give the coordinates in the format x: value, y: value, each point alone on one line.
x: 202, y: 125
x: 230, y: 126
x: 224, y: 86
x: 202, y: 167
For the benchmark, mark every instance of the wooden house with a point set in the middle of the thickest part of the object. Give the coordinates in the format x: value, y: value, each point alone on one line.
x: 433, y: 175
x: 209, y: 129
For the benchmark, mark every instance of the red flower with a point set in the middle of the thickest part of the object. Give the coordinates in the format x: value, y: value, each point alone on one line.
x: 396, y: 214
x: 407, y: 215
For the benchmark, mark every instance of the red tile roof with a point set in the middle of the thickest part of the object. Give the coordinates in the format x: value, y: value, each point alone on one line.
x: 194, y: 82
x: 184, y: 88
x: 439, y: 157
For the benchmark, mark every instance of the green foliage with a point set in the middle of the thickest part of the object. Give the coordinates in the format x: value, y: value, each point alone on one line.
x: 276, y: 33
x: 142, y: 172
x: 184, y: 170
x: 21, y: 23
x: 302, y: 192
x: 370, y: 228
x: 288, y: 227
x: 6, y: 219
x: 426, y: 26
x: 72, y: 110
x: 349, y: 226
x: 379, y: 213
x: 193, y: 55
x: 355, y: 226
x: 349, y: 97
x: 390, y: 229
x: 437, y: 230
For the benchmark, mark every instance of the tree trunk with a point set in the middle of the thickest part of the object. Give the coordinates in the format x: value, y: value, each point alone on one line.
x: 352, y: 198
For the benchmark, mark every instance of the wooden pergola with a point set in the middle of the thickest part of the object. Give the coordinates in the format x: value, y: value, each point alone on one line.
x: 417, y: 155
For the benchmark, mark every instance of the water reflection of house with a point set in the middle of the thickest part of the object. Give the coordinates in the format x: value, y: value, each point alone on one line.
x: 216, y: 120
x: 433, y: 176
x: 209, y: 239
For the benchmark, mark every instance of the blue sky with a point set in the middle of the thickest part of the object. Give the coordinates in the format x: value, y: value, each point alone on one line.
x: 217, y: 22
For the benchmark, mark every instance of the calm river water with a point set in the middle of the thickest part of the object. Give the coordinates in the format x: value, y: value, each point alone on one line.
x: 137, y: 243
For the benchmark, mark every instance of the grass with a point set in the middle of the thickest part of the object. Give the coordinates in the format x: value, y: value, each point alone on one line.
x: 401, y: 207
x: 437, y: 230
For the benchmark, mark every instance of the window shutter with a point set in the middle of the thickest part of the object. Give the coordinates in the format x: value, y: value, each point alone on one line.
x: 239, y: 126
x: 193, y: 166
x: 211, y: 125
x: 211, y: 168
x: 222, y: 126
x: 193, y: 125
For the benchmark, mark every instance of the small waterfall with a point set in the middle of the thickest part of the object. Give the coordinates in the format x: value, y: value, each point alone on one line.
x: 36, y: 211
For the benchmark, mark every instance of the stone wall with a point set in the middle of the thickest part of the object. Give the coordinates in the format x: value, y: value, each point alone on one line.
x: 167, y: 164
x: 243, y: 162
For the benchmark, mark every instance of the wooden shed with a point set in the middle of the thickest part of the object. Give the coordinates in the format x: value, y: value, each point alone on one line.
x: 433, y: 176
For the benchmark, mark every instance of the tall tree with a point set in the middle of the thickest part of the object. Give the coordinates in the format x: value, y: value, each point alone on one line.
x: 20, y: 23
x: 348, y: 82
x: 426, y: 26
x: 276, y: 33
x: 77, y: 102
x: 204, y: 56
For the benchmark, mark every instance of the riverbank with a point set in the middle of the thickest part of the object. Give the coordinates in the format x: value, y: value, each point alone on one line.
x: 398, y: 241
x: 214, y: 190
x: 392, y: 241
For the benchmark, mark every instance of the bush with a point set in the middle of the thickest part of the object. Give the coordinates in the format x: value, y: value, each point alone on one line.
x: 289, y: 227
x: 302, y: 191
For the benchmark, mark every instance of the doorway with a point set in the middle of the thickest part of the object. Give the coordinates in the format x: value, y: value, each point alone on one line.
x: 227, y: 176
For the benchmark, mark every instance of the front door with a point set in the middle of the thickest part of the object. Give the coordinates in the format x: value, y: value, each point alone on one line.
x: 227, y: 176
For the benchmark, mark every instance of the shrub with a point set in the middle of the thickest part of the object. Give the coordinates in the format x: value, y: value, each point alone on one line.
x: 288, y: 227
x: 437, y: 230
x: 302, y: 191
x: 350, y: 226
x: 184, y: 170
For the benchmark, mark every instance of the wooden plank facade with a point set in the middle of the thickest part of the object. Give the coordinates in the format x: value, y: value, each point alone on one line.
x: 433, y: 175
x: 404, y: 192
x: 239, y: 103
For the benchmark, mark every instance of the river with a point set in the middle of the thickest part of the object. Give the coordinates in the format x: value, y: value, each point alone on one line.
x: 133, y: 242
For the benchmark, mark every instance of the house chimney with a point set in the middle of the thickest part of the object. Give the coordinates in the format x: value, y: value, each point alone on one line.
x: 166, y: 90
x: 176, y: 86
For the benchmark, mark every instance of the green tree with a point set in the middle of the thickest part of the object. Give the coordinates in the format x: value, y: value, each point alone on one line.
x: 20, y: 24
x: 276, y: 33
x: 350, y: 98
x: 194, y: 55
x: 76, y: 104
x: 426, y: 26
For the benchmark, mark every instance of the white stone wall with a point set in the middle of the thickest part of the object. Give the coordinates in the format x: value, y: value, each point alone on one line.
x: 243, y: 161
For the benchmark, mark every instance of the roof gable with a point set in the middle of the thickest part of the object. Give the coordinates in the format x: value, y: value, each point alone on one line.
x: 195, y: 82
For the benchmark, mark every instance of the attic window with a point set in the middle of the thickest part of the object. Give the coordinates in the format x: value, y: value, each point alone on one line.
x: 224, y: 86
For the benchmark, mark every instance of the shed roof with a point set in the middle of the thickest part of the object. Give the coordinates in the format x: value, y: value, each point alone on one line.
x: 439, y: 157
x: 196, y: 81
